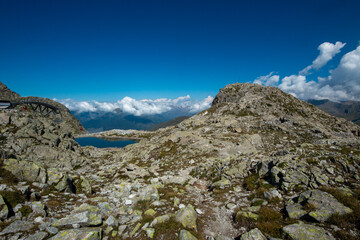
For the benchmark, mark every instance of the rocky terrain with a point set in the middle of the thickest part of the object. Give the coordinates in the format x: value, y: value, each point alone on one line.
x: 259, y: 164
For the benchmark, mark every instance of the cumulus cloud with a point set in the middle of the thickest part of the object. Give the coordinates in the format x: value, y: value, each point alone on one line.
x: 268, y: 80
x: 342, y: 83
x: 327, y: 52
x: 140, y: 107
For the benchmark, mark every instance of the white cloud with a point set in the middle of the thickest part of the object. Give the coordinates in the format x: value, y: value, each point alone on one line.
x: 342, y: 83
x: 327, y: 52
x: 199, y: 106
x: 140, y: 107
x: 268, y: 80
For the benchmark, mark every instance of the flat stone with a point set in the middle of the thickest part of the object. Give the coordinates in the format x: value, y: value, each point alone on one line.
x: 37, y: 236
x: 186, y: 235
x: 17, y: 226
x: 307, y: 231
x: 4, y: 210
x: 84, y: 219
x: 254, y: 234
x: 223, y: 183
x: 295, y: 211
x: 78, y: 234
x: 187, y: 217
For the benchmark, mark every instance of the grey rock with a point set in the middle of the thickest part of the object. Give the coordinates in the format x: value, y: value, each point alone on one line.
x: 39, y: 208
x: 111, y: 221
x: 4, y: 209
x: 186, y: 235
x: 52, y: 230
x: 78, y: 234
x: 307, y: 231
x: 17, y: 226
x: 254, y: 234
x: 272, y: 194
x: 84, y: 219
x: 25, y: 170
x: 325, y: 204
x: 295, y: 211
x: 187, y: 217
x: 149, y: 193
x: 37, y: 236
x: 223, y: 183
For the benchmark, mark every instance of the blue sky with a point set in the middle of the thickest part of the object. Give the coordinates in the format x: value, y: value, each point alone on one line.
x: 106, y: 50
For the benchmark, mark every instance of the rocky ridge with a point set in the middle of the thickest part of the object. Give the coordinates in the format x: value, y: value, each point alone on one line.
x: 258, y: 164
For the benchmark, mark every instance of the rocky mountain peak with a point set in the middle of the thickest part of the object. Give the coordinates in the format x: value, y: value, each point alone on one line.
x: 270, y: 105
x: 6, y: 93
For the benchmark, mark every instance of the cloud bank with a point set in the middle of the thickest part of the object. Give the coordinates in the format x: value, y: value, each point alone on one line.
x: 342, y: 83
x: 140, y: 107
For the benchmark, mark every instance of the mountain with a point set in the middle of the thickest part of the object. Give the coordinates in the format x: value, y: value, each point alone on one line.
x: 7, y: 94
x: 349, y: 110
x: 170, y: 123
x: 258, y: 164
x: 68, y: 121
x: 103, y: 121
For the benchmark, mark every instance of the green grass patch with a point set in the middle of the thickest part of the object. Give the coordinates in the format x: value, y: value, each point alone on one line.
x: 25, y: 210
x: 13, y: 198
x: 251, y: 182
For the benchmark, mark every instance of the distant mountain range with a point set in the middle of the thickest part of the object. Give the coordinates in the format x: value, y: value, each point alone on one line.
x: 103, y: 121
x: 349, y: 110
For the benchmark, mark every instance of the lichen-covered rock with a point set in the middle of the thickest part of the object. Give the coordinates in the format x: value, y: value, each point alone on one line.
x: 187, y: 217
x: 54, y: 176
x: 295, y: 210
x: 254, y: 234
x: 25, y: 170
x: 306, y: 232
x: 223, y: 183
x: 65, y: 184
x: 186, y: 235
x: 39, y: 208
x: 37, y: 236
x: 78, y: 234
x: 160, y: 219
x: 84, y: 219
x: 323, y: 205
x: 245, y: 214
x: 85, y: 185
x: 17, y: 226
x: 149, y: 193
x: 150, y: 212
x: 4, y: 209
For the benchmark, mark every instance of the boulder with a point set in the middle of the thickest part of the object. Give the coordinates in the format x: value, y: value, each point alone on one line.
x: 160, y: 219
x: 295, y: 210
x: 187, y: 217
x: 4, y: 209
x: 306, y: 231
x: 17, y: 226
x: 186, y: 235
x: 78, y: 234
x: 85, y: 185
x: 149, y: 193
x: 84, y: 219
x: 254, y: 234
x: 323, y: 205
x: 25, y: 170
x: 39, y: 208
x: 223, y: 183
x: 37, y: 236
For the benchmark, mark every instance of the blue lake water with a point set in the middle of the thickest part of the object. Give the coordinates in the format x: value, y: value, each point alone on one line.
x: 103, y: 143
